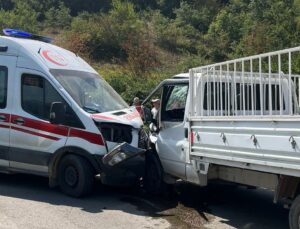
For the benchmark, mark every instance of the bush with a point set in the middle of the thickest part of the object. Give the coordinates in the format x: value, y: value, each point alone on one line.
x: 142, y: 55
x: 58, y: 18
x: 105, y: 34
x: 21, y: 17
x: 127, y: 85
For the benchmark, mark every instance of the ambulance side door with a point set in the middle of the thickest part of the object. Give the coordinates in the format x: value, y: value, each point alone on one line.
x: 7, y: 74
x: 33, y: 138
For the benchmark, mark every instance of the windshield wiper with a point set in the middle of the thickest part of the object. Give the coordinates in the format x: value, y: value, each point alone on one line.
x: 91, y: 109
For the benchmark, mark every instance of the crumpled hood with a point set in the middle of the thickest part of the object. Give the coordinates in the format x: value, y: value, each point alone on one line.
x: 129, y: 116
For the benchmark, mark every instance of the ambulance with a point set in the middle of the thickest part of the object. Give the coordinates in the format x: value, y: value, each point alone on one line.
x: 60, y: 119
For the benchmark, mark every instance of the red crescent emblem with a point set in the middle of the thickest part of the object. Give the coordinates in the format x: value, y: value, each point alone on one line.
x: 54, y: 58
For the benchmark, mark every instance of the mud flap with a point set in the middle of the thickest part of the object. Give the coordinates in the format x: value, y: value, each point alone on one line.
x: 121, y: 153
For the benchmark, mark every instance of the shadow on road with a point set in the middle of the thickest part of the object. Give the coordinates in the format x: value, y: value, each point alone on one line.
x: 187, y: 206
x: 36, y: 189
x: 236, y: 206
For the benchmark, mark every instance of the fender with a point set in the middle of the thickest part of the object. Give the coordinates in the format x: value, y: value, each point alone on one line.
x: 60, y: 153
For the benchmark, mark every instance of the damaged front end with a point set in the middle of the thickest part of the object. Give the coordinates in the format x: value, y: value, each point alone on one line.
x: 126, y: 142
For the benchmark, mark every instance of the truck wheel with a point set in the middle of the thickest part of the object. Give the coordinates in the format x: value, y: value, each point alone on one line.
x: 294, y: 214
x: 75, y: 176
x: 153, y: 180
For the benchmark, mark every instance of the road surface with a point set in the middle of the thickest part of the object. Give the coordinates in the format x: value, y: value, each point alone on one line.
x: 27, y: 202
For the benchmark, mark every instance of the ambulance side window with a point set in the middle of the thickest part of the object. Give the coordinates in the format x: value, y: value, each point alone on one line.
x: 3, y: 87
x: 38, y: 95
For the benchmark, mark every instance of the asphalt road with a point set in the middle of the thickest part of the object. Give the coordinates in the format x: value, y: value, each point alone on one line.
x: 27, y: 202
x: 228, y: 206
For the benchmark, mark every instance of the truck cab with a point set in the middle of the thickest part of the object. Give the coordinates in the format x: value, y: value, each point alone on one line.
x: 168, y: 134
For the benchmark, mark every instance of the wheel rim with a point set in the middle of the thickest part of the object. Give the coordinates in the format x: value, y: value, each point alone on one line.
x: 71, y: 176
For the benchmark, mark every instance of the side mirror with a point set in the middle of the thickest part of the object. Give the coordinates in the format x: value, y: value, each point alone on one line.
x: 147, y: 115
x: 57, y: 113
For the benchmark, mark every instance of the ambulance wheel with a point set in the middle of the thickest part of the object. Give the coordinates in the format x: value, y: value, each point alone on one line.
x: 75, y: 176
x: 153, y: 180
x: 294, y: 214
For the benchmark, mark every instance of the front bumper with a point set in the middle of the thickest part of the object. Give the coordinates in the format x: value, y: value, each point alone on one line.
x: 121, y: 153
x: 124, y: 165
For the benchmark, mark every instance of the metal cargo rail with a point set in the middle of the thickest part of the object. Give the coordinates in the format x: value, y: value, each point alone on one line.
x: 261, y: 87
x: 244, y: 113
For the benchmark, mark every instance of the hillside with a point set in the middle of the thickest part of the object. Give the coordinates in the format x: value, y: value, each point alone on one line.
x: 136, y: 43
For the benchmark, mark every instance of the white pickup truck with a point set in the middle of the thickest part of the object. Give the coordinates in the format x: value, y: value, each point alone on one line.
x: 235, y: 121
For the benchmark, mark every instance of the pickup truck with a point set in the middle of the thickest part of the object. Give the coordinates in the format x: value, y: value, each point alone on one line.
x: 236, y: 121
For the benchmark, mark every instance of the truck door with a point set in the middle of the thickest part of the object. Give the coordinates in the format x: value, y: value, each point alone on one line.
x: 7, y: 73
x: 33, y: 138
x: 171, y: 137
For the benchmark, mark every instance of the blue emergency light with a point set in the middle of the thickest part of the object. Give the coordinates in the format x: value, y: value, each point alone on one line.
x: 26, y: 35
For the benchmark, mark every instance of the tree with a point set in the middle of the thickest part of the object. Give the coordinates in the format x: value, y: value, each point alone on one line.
x: 22, y: 17
x: 167, y: 7
x: 6, y: 4
x: 39, y: 7
x: 59, y: 17
x: 198, y: 14
x: 91, y: 6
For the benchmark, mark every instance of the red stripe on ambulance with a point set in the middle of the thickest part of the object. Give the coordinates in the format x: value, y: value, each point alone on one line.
x: 4, y: 126
x: 91, y: 137
x: 35, y: 133
x: 54, y: 129
x: 40, y: 125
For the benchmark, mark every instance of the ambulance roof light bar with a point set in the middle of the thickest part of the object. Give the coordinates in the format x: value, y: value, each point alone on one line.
x: 25, y: 35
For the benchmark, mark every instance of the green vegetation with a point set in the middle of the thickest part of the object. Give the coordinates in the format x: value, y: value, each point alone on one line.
x: 136, y: 43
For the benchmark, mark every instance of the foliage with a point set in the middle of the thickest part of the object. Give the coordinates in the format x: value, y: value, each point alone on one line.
x: 104, y: 35
x: 22, y: 17
x: 142, y: 56
x: 136, y: 43
x: 59, y: 17
x: 127, y: 85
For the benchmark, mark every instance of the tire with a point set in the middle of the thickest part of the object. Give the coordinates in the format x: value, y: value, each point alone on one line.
x: 294, y: 214
x: 153, y: 180
x: 75, y: 176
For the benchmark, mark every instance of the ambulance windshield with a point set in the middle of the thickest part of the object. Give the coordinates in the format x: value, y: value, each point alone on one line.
x: 89, y: 90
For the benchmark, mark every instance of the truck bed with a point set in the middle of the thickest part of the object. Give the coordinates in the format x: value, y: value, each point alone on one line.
x: 264, y: 145
x: 244, y: 113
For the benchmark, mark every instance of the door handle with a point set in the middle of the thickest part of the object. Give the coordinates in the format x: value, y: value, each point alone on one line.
x: 19, y: 121
x: 3, y: 118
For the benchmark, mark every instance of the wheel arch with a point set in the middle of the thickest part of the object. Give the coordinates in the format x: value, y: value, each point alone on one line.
x: 62, y: 152
x: 288, y: 188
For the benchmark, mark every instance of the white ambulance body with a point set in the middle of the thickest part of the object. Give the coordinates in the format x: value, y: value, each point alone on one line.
x: 59, y: 118
x: 236, y: 121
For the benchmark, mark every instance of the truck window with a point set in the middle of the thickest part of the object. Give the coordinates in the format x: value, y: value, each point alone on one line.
x: 217, y: 96
x: 38, y: 95
x: 3, y: 87
x: 275, y: 98
x: 249, y: 92
x: 174, y: 101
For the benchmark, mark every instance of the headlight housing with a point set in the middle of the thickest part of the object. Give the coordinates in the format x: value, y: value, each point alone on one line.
x: 121, y: 153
